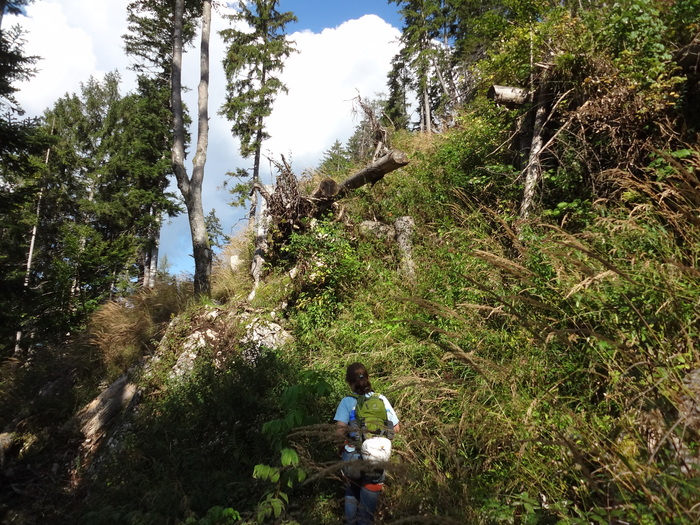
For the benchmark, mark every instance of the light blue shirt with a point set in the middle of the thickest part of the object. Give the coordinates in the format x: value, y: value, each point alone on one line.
x: 348, y: 404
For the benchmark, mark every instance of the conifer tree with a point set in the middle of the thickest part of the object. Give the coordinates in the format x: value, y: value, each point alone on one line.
x: 335, y: 161
x: 253, y: 61
x: 139, y: 160
x: 15, y: 66
x: 13, y: 7
x: 398, y: 82
x: 423, y: 22
x: 76, y: 240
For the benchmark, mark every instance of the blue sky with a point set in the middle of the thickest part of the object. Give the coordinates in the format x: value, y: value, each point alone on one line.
x: 317, y: 15
x: 344, y: 50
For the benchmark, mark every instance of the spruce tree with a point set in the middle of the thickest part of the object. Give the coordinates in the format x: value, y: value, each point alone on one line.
x: 336, y: 161
x: 399, y: 83
x: 423, y: 21
x: 15, y: 66
x: 253, y: 61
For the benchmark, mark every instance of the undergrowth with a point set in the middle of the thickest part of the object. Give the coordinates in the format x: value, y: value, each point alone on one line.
x: 541, y: 375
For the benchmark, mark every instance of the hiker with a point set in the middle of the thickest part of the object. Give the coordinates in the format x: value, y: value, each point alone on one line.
x: 364, y: 483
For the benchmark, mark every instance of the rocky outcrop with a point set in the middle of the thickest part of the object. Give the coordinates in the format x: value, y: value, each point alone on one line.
x: 262, y: 334
x: 214, y: 330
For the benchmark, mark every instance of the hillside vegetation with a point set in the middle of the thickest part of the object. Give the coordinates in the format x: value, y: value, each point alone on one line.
x: 544, y: 365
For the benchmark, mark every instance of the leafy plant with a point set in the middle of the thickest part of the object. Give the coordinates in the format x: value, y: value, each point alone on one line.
x: 283, y: 479
x: 328, y: 267
x: 216, y: 516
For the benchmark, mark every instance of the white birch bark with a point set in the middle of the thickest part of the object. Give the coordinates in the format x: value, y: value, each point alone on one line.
x: 263, y: 221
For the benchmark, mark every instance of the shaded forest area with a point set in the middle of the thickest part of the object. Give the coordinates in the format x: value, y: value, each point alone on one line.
x: 525, y: 289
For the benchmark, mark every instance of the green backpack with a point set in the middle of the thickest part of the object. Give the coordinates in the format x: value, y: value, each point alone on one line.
x: 370, y: 414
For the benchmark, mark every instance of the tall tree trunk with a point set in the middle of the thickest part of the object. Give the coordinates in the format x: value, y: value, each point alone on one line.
x: 426, y: 111
x: 149, y: 266
x: 153, y: 261
x: 259, y: 219
x: 191, y: 189
x: 32, y: 244
x: 256, y: 216
x: 28, y: 271
x: 261, y: 246
x: 255, y: 197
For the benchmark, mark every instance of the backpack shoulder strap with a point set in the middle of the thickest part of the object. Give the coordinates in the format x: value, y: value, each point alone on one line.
x: 359, y: 398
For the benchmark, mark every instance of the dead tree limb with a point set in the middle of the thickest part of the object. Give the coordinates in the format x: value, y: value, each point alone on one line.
x: 287, y: 207
x: 373, y: 129
x: 533, y: 170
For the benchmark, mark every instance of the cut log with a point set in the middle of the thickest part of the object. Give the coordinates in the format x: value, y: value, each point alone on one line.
x: 508, y: 96
x: 327, y: 189
x: 373, y: 173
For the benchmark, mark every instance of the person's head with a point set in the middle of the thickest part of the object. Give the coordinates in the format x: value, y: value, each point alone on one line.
x: 358, y: 378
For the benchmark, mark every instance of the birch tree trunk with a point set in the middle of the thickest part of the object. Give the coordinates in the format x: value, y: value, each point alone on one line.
x: 191, y: 189
x: 150, y: 254
x: 426, y: 112
x: 30, y: 255
x: 254, y: 196
x: 153, y: 263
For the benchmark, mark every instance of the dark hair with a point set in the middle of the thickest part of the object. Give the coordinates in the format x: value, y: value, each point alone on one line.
x: 358, y: 378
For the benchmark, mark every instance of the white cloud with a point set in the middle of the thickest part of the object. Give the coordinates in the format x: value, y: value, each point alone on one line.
x: 75, y: 39
x: 331, y: 69
x: 79, y: 38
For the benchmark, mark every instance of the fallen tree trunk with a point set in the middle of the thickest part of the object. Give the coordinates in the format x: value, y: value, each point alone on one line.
x: 287, y: 210
x: 373, y: 173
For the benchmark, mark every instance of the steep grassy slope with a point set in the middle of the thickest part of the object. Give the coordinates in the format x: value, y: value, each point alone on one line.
x: 544, y: 365
x: 542, y: 374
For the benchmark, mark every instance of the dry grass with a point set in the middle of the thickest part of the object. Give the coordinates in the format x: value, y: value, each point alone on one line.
x: 231, y: 280
x: 125, y: 329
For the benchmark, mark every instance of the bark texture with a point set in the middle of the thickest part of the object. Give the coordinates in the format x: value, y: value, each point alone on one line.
x: 533, y: 170
x: 191, y: 189
x: 508, y: 96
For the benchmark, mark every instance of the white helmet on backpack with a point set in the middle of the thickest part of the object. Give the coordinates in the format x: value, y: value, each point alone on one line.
x: 376, y: 449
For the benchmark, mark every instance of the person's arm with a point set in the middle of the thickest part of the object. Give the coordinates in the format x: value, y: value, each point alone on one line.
x: 341, y: 430
x: 342, y: 418
x: 391, y: 414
